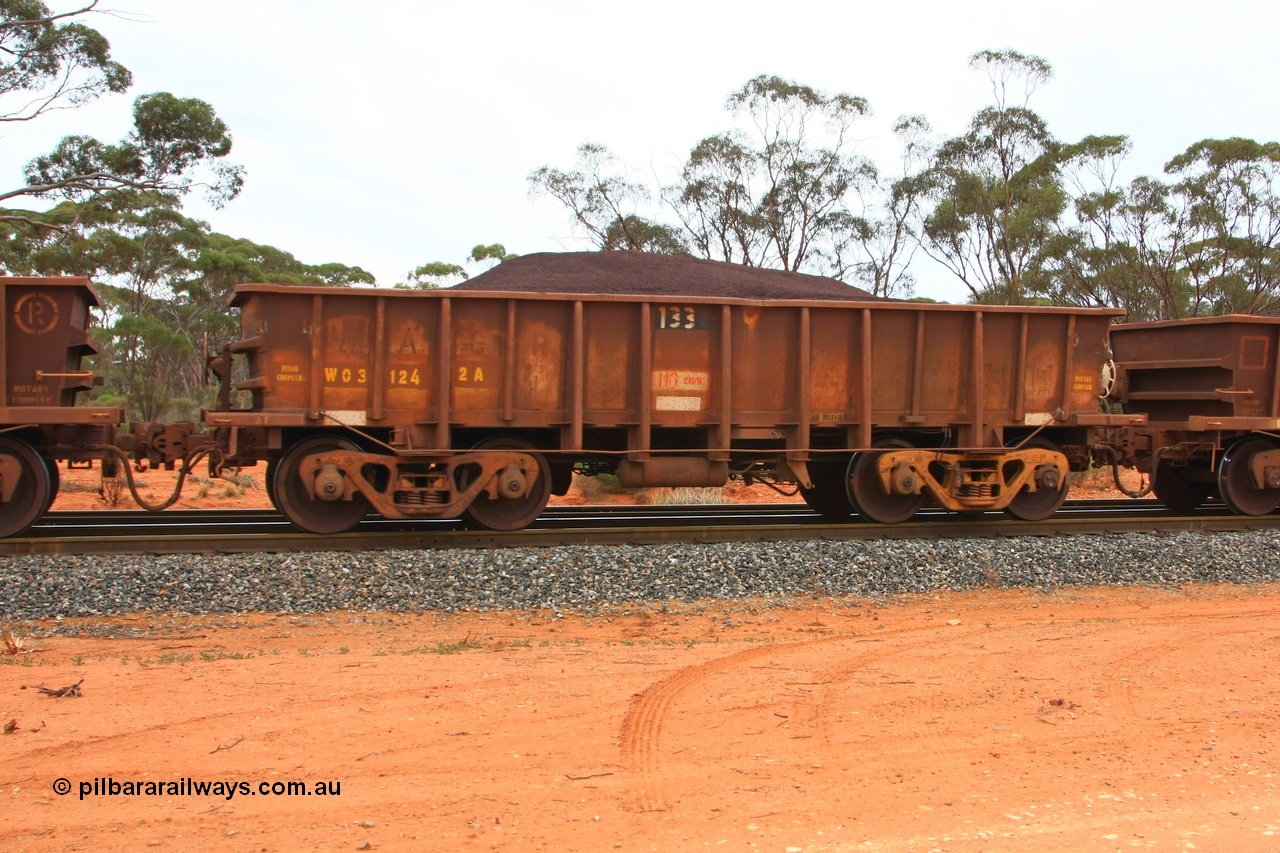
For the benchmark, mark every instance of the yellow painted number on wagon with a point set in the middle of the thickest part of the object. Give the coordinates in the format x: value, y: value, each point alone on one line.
x: 470, y: 374
x: 405, y: 377
x: 346, y: 375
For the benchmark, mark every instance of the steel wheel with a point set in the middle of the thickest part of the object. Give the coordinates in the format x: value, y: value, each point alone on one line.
x: 269, y: 481
x: 1042, y: 503
x: 1236, y: 486
x: 508, y: 513
x: 31, y: 494
x: 293, y: 497
x: 1177, y: 488
x: 828, y: 497
x: 867, y: 494
x: 55, y: 480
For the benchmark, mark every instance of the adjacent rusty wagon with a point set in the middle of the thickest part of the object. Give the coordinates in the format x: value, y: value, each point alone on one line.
x: 44, y: 337
x: 45, y: 419
x: 482, y: 403
x: 1203, y: 396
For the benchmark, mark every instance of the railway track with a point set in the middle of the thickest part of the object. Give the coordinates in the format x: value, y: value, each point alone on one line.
x: 247, y: 531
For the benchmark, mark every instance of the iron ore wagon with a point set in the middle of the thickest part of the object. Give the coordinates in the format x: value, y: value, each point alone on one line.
x: 1203, y: 396
x: 481, y: 403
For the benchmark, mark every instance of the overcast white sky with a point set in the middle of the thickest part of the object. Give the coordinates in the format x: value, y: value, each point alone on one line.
x: 389, y: 134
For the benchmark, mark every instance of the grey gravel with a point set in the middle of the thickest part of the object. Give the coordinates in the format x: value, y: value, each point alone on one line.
x: 587, y: 579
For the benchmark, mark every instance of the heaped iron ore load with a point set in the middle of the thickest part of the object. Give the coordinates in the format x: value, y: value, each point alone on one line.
x: 645, y: 274
x: 1204, y: 400
x: 482, y: 403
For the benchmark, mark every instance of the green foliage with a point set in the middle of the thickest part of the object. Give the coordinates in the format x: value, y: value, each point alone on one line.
x: 51, y: 61
x: 1004, y: 68
x: 150, y: 356
x: 491, y: 255
x: 48, y: 62
x: 438, y: 274
x: 603, y: 203
x: 778, y: 199
x: 789, y: 193
x: 884, y: 239
x: 1014, y: 213
x: 1231, y: 194
x: 996, y: 190
x: 172, y: 139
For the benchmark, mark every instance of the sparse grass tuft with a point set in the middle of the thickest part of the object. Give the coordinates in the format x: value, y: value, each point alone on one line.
x: 686, y: 495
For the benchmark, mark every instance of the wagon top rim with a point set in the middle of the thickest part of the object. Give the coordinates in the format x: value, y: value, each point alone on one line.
x: 243, y: 290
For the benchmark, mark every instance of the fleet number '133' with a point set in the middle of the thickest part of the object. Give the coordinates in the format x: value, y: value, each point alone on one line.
x: 675, y: 317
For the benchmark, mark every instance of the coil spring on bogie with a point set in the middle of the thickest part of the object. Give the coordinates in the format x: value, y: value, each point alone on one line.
x: 421, y: 498
x: 977, y: 490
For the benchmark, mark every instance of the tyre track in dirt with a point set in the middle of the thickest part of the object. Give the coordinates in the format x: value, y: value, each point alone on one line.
x: 643, y: 725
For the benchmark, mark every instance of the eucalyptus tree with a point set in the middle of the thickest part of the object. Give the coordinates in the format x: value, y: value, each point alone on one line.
x: 1158, y: 226
x: 1127, y: 244
x: 1231, y: 192
x: 776, y: 196
x: 1204, y: 241
x: 1095, y: 258
x: 50, y: 61
x: 489, y: 256
x: 53, y: 60
x: 715, y: 203
x: 879, y: 244
x: 995, y: 189
x: 604, y: 202
x: 434, y: 275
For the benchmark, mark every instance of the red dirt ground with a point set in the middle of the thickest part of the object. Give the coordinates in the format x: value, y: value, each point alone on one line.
x: 997, y: 720
x: 1089, y: 719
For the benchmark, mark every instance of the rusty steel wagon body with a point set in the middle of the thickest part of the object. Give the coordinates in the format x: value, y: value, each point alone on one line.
x: 43, y: 338
x: 1203, y: 398
x: 482, y: 404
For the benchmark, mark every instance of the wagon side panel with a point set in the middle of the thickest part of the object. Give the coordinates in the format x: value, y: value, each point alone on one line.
x: 765, y: 341
x: 834, y: 375
x: 611, y: 341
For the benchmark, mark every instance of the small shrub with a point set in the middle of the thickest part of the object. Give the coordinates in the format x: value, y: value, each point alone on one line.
x: 112, y: 488
x: 600, y: 486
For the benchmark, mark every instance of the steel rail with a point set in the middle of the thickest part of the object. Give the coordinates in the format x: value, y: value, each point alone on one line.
x: 256, y: 531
